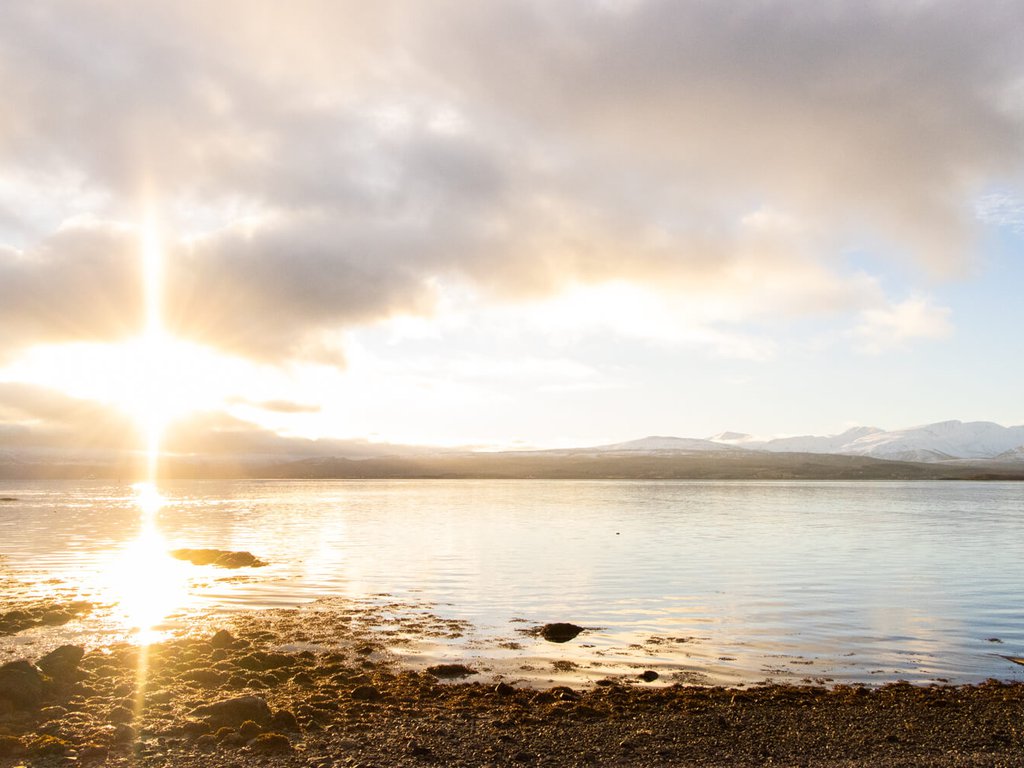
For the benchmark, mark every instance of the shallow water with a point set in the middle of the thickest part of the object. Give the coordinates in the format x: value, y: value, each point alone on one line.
x: 724, y: 582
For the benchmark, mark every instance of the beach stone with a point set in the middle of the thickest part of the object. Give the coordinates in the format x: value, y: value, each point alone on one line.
x: 649, y: 676
x: 235, y: 711
x: 559, y: 632
x: 283, y: 720
x: 10, y: 745
x: 222, y: 639
x: 270, y: 743
x: 21, y: 683
x: 366, y: 693
x: 55, y: 618
x: 218, y: 557
x: 208, y: 678
x: 450, y: 670
x: 61, y: 663
x: 249, y: 730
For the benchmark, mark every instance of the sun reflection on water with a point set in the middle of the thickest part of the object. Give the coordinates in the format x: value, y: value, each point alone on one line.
x: 146, y: 583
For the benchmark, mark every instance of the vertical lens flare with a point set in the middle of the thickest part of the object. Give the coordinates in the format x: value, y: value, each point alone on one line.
x: 153, y: 342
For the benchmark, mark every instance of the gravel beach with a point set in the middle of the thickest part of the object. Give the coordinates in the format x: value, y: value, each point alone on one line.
x: 233, y: 698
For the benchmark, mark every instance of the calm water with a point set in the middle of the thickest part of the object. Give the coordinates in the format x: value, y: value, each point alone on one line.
x: 704, y: 581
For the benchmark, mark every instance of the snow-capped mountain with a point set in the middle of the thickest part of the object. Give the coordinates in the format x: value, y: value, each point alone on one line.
x: 656, y: 444
x: 813, y: 443
x: 930, y: 442
x: 942, y: 441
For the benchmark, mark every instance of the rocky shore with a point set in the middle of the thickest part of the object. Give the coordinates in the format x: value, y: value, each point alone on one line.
x: 235, y: 698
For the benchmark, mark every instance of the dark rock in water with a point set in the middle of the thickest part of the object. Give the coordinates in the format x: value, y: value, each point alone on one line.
x: 649, y: 676
x: 218, y: 557
x: 559, y: 632
x: 7, y: 498
x: 62, y: 663
x: 55, y: 618
x: 234, y: 712
x: 450, y: 670
x: 222, y: 639
x: 21, y: 684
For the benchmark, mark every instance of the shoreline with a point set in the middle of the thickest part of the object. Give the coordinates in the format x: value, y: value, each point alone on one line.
x: 355, y: 705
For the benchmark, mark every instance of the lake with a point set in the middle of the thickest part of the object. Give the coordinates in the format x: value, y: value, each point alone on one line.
x: 704, y: 582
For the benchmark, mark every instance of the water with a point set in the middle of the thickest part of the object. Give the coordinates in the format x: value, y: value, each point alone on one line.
x: 725, y: 582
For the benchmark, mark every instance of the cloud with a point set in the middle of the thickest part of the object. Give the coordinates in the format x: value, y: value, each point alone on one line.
x: 37, y: 420
x: 890, y: 327
x: 81, y: 282
x: 327, y: 165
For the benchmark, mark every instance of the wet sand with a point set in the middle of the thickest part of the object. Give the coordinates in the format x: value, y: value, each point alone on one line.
x: 279, y: 702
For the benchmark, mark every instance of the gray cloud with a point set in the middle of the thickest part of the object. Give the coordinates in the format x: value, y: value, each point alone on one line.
x: 328, y: 164
x: 80, y: 283
x: 36, y: 420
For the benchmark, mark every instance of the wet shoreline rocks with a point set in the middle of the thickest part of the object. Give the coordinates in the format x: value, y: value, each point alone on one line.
x: 42, y: 613
x: 239, y: 697
x: 219, y: 558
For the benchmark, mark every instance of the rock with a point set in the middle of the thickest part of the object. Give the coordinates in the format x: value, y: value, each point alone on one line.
x: 120, y: 715
x: 649, y: 676
x: 62, y: 663
x: 283, y: 720
x: 206, y: 743
x: 235, y: 711
x: 222, y: 639
x: 48, y: 745
x: 10, y: 745
x: 366, y: 693
x: 270, y: 743
x: 208, y: 678
x: 123, y: 734
x: 21, y: 683
x: 559, y: 632
x: 55, y: 618
x: 504, y: 689
x: 450, y: 670
x: 249, y: 730
x: 218, y: 557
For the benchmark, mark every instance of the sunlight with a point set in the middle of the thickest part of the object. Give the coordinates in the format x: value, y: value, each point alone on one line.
x: 144, y: 580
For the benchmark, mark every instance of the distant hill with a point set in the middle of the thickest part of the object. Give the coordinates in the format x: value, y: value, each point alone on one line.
x: 942, y: 441
x: 945, y: 450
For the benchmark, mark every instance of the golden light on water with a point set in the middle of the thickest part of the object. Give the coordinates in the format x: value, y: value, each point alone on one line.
x: 147, y: 583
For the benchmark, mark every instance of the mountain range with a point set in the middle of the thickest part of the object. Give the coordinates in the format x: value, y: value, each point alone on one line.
x: 939, y: 442
x: 948, y: 450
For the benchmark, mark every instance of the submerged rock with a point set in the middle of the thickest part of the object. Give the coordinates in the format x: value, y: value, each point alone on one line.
x: 450, y: 670
x: 220, y: 558
x: 559, y: 632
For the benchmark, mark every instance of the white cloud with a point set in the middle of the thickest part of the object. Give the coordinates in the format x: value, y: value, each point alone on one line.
x: 889, y: 327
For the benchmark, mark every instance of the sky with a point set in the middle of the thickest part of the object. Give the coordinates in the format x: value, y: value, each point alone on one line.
x: 506, y: 224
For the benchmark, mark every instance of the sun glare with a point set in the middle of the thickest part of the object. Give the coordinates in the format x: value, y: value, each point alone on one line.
x: 146, y: 582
